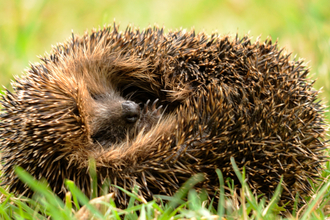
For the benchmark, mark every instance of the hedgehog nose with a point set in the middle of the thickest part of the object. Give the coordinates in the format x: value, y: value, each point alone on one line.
x: 131, y: 111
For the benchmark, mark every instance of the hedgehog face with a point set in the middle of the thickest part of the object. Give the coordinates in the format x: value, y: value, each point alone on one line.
x: 116, y: 119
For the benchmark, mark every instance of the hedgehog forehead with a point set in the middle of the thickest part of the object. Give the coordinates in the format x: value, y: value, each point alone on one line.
x: 107, y: 101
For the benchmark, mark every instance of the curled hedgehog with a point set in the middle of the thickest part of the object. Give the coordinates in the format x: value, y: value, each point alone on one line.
x: 153, y: 109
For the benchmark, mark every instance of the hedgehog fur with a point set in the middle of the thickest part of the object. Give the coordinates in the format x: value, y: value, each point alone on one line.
x: 214, y: 97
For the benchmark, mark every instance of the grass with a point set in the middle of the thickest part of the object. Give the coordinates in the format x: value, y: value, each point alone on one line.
x: 29, y: 27
x: 185, y: 204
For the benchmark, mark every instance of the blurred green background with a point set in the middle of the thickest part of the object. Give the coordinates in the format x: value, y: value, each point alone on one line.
x: 29, y: 27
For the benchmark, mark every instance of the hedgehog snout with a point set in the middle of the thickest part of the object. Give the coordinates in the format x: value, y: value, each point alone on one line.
x: 130, y: 111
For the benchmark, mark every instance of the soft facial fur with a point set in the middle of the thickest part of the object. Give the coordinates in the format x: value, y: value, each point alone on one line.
x: 221, y: 98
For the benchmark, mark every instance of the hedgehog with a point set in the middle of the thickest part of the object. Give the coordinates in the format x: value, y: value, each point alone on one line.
x: 152, y: 109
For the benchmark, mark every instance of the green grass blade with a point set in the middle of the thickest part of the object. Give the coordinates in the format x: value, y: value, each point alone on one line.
x: 311, y: 207
x: 221, y: 203
x: 177, y: 198
x: 92, y: 172
x: 274, y: 199
x: 82, y: 198
x: 52, y: 203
